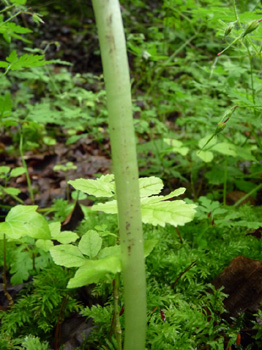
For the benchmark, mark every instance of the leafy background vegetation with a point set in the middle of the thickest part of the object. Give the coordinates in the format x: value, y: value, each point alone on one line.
x: 53, y: 108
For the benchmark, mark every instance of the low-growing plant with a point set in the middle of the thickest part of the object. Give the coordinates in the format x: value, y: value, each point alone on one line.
x: 40, y: 307
x: 5, y: 175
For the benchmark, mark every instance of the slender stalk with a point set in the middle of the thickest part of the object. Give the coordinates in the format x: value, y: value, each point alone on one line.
x: 235, y: 12
x: 12, y: 195
x: 29, y: 184
x: 257, y: 188
x: 123, y: 146
x: 7, y: 8
x: 225, y: 183
x: 10, y: 18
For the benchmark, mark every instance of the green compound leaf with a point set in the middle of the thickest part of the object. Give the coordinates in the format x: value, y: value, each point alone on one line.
x: 150, y: 185
x: 23, y: 221
x: 24, y: 61
x: 102, y: 187
x: 63, y: 237
x: 108, y: 251
x: 45, y: 244
x: 158, y: 210
x: 166, y: 212
x: 67, y: 255
x: 90, y: 244
x: 108, y: 207
x: 21, y: 267
x: 12, y: 30
x: 94, y: 270
x: 3, y: 64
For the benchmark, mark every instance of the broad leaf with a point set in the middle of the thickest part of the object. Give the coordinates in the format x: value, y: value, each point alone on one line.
x: 67, y: 255
x: 225, y: 148
x: 108, y: 251
x: 102, y: 187
x: 156, y: 211
x: 63, y: 237
x: 206, y: 156
x: 90, y: 244
x: 24, y: 221
x: 174, y: 193
x: 55, y: 228
x: 150, y: 185
x: 17, y: 171
x: 12, y: 191
x: 94, y: 270
x: 4, y: 170
x: 167, y: 212
x: 44, y: 244
x: 108, y: 207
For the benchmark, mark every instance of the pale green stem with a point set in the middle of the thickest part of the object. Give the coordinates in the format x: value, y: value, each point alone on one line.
x: 8, y: 296
x: 251, y: 76
x: 117, y: 325
x: 10, y: 18
x: 6, y: 9
x: 236, y: 15
x: 123, y: 146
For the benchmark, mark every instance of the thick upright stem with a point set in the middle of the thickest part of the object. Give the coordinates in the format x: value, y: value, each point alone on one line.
x: 116, y: 75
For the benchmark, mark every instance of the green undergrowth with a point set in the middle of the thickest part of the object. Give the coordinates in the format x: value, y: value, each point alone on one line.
x: 197, y: 118
x: 184, y: 310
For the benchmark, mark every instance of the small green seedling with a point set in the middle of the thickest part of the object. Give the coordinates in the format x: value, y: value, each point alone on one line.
x: 66, y: 167
x: 6, y: 174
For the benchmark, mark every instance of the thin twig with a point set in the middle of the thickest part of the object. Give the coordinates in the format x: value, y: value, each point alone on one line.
x: 182, y: 273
